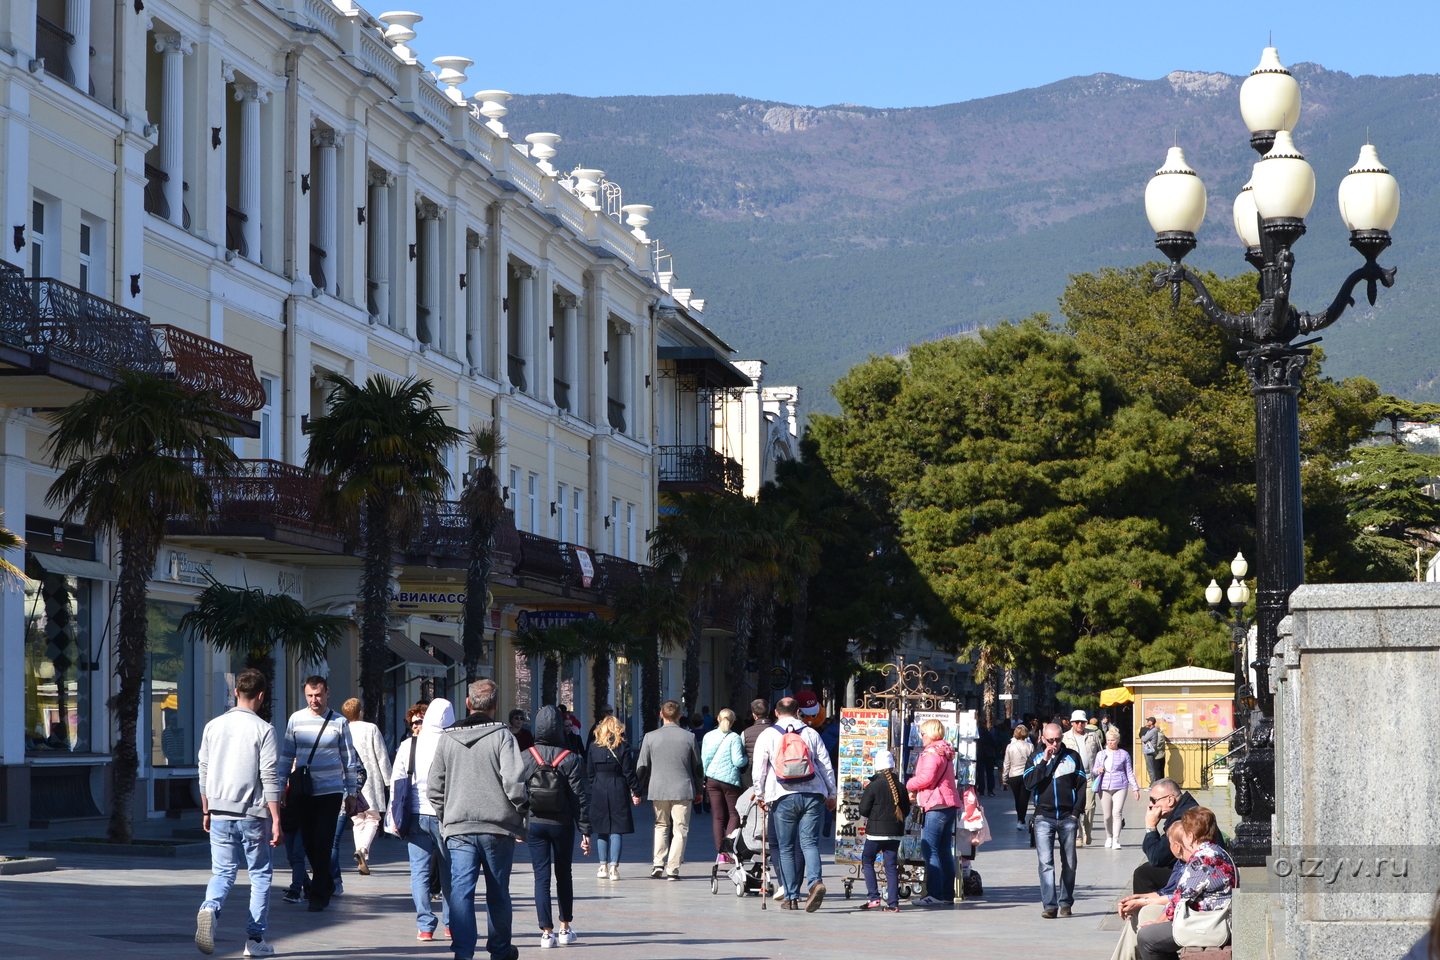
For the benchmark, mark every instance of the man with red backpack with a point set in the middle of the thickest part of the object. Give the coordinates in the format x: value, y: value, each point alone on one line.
x: 796, y: 783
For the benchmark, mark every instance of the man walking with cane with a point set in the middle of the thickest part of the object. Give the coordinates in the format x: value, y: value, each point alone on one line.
x: 240, y: 804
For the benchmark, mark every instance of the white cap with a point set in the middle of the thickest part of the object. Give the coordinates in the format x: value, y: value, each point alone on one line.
x: 1078, y: 715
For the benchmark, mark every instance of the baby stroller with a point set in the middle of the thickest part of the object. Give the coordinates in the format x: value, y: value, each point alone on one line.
x: 746, y: 847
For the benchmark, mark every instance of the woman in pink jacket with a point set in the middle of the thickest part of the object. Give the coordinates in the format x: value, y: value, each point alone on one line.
x: 933, y: 790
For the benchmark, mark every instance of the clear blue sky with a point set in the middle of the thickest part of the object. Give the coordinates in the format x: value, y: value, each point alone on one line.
x: 902, y: 54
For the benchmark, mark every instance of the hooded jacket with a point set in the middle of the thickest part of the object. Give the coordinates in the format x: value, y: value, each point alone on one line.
x: 934, y: 779
x: 552, y: 738
x: 477, y: 780
x: 438, y: 716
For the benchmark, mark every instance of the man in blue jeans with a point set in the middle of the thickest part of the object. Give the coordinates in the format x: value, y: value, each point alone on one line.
x: 1056, y: 778
x: 796, y: 787
x: 240, y: 804
x: 477, y: 787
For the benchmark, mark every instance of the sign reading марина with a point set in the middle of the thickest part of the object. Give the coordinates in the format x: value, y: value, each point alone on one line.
x: 546, y: 619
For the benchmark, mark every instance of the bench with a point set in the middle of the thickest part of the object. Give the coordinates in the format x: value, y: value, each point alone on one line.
x: 1205, y: 953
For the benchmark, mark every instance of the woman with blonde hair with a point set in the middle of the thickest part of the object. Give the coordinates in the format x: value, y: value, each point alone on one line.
x: 610, y: 770
x: 933, y: 789
x: 1012, y: 772
x: 722, y: 754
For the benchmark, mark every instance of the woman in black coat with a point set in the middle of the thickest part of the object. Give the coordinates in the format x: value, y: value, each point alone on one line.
x: 884, y: 805
x: 610, y: 768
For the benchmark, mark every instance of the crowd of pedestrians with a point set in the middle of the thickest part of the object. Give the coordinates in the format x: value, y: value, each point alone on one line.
x: 464, y: 792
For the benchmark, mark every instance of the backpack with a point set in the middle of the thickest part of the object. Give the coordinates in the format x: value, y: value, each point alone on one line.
x: 793, y: 763
x: 549, y: 793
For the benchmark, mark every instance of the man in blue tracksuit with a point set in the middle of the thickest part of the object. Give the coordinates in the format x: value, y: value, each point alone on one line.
x: 1055, y: 776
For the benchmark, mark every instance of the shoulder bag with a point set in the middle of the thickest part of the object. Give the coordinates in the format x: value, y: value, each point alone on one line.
x: 301, y: 781
x: 1200, y: 928
x: 400, y: 791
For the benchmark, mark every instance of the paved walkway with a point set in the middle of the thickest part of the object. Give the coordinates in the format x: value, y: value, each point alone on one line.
x: 121, y: 907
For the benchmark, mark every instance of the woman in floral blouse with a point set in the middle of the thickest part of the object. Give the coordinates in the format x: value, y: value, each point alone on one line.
x: 1206, y: 883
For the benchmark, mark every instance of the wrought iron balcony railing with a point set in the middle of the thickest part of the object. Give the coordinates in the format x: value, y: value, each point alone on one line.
x: 700, y: 467
x: 235, y: 231
x: 562, y: 394
x: 52, y: 44
x: 64, y: 324
x: 616, y: 412
x: 317, y: 267
x: 202, y: 364
x: 516, y: 369
x: 268, y: 492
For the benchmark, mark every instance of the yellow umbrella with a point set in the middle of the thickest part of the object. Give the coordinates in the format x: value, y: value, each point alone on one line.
x: 1115, y: 696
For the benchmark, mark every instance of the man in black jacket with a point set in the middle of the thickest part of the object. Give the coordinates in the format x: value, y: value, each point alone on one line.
x: 1167, y: 805
x: 1056, y: 778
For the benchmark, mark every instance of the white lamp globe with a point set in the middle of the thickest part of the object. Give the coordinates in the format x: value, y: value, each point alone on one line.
x: 1214, y: 594
x: 1175, y: 197
x: 1369, y: 195
x: 1236, y: 593
x: 1239, y: 567
x: 1283, y: 184
x: 1270, y: 97
x: 1247, y: 222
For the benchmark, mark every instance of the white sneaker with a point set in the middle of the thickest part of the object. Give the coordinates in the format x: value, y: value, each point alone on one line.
x: 258, y: 948
x: 780, y: 893
x: 614, y: 871
x: 925, y: 901
x: 1115, y: 845
x: 1108, y: 841
x: 602, y: 873
x: 547, y: 940
x: 566, y: 937
x: 205, y: 930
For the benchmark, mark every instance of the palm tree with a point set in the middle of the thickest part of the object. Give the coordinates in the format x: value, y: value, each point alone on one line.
x: 381, y: 448
x: 699, y: 544
x: 601, y: 640
x: 657, y: 617
x: 818, y: 517
x: 554, y: 646
x: 251, y: 622
x: 483, y: 507
x: 131, y: 457
x: 748, y: 585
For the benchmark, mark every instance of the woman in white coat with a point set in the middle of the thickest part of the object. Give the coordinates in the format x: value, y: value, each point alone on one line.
x: 375, y: 758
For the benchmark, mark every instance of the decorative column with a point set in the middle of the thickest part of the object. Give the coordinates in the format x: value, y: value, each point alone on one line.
x: 569, y: 365
x: 77, y: 22
x: 475, y: 302
x: 525, y: 349
x: 427, y: 323
x: 174, y: 49
x: 327, y: 141
x: 626, y: 342
x: 250, y: 96
x: 380, y: 247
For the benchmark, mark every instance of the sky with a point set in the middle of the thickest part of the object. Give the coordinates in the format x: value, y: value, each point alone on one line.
x: 900, y: 54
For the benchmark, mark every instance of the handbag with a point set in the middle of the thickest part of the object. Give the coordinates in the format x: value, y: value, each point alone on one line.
x: 1200, y: 928
x: 301, y: 782
x: 400, y: 791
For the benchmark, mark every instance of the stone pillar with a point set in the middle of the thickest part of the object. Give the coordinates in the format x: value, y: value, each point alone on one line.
x: 475, y: 302
x: 427, y: 327
x: 381, y: 249
x: 569, y: 360
x: 596, y: 378
x: 327, y: 141
x: 627, y: 380
x: 77, y: 21
x: 174, y: 49
x: 525, y: 349
x: 544, y: 317
x: 250, y: 96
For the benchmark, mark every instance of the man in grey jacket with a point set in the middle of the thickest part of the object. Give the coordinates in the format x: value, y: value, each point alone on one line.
x: 669, y: 768
x: 240, y: 809
x: 477, y: 787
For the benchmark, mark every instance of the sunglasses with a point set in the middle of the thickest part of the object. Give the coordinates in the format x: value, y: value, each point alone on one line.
x: 1155, y: 800
x: 417, y: 723
x: 1056, y: 740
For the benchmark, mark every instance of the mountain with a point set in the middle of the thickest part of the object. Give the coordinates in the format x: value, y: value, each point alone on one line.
x: 819, y: 236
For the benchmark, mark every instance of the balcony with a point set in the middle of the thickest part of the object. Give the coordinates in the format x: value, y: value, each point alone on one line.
x: 317, y: 267
x: 267, y: 508
x: 562, y: 394
x: 615, y: 411
x: 515, y: 367
x: 57, y: 341
x: 235, y: 231
x: 52, y: 44
x: 699, y: 469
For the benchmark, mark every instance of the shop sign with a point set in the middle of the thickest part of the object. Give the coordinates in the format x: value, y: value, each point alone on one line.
x: 548, y: 619
x: 181, y: 569
x: 587, y: 567
x: 428, y: 598
x: 779, y: 678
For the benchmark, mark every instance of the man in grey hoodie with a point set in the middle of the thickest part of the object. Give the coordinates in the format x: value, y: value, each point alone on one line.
x: 477, y: 787
x: 240, y: 809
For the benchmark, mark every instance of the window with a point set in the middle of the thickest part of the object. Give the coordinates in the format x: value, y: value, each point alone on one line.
x: 615, y: 528
x: 37, y: 239
x: 532, y: 492
x: 577, y: 517
x: 560, y: 502
x: 57, y: 668
x: 85, y: 257
x: 512, y: 498
x: 629, y: 531
x: 269, y: 423
x: 172, y: 680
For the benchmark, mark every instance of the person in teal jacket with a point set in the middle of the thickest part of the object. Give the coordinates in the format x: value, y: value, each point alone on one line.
x: 722, y: 754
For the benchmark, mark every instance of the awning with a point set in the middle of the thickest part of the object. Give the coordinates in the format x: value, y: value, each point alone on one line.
x: 1115, y: 696
x: 70, y: 567
x: 706, y: 363
x: 417, y: 661
x: 445, y: 645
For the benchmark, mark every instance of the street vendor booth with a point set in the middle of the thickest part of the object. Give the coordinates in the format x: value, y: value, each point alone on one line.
x: 1195, y: 709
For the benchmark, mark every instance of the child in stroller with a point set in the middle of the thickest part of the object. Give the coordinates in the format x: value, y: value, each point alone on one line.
x: 746, y: 846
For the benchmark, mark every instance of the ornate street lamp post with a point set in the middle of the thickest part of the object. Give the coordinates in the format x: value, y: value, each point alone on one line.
x: 1270, y: 217
x: 1237, y: 595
